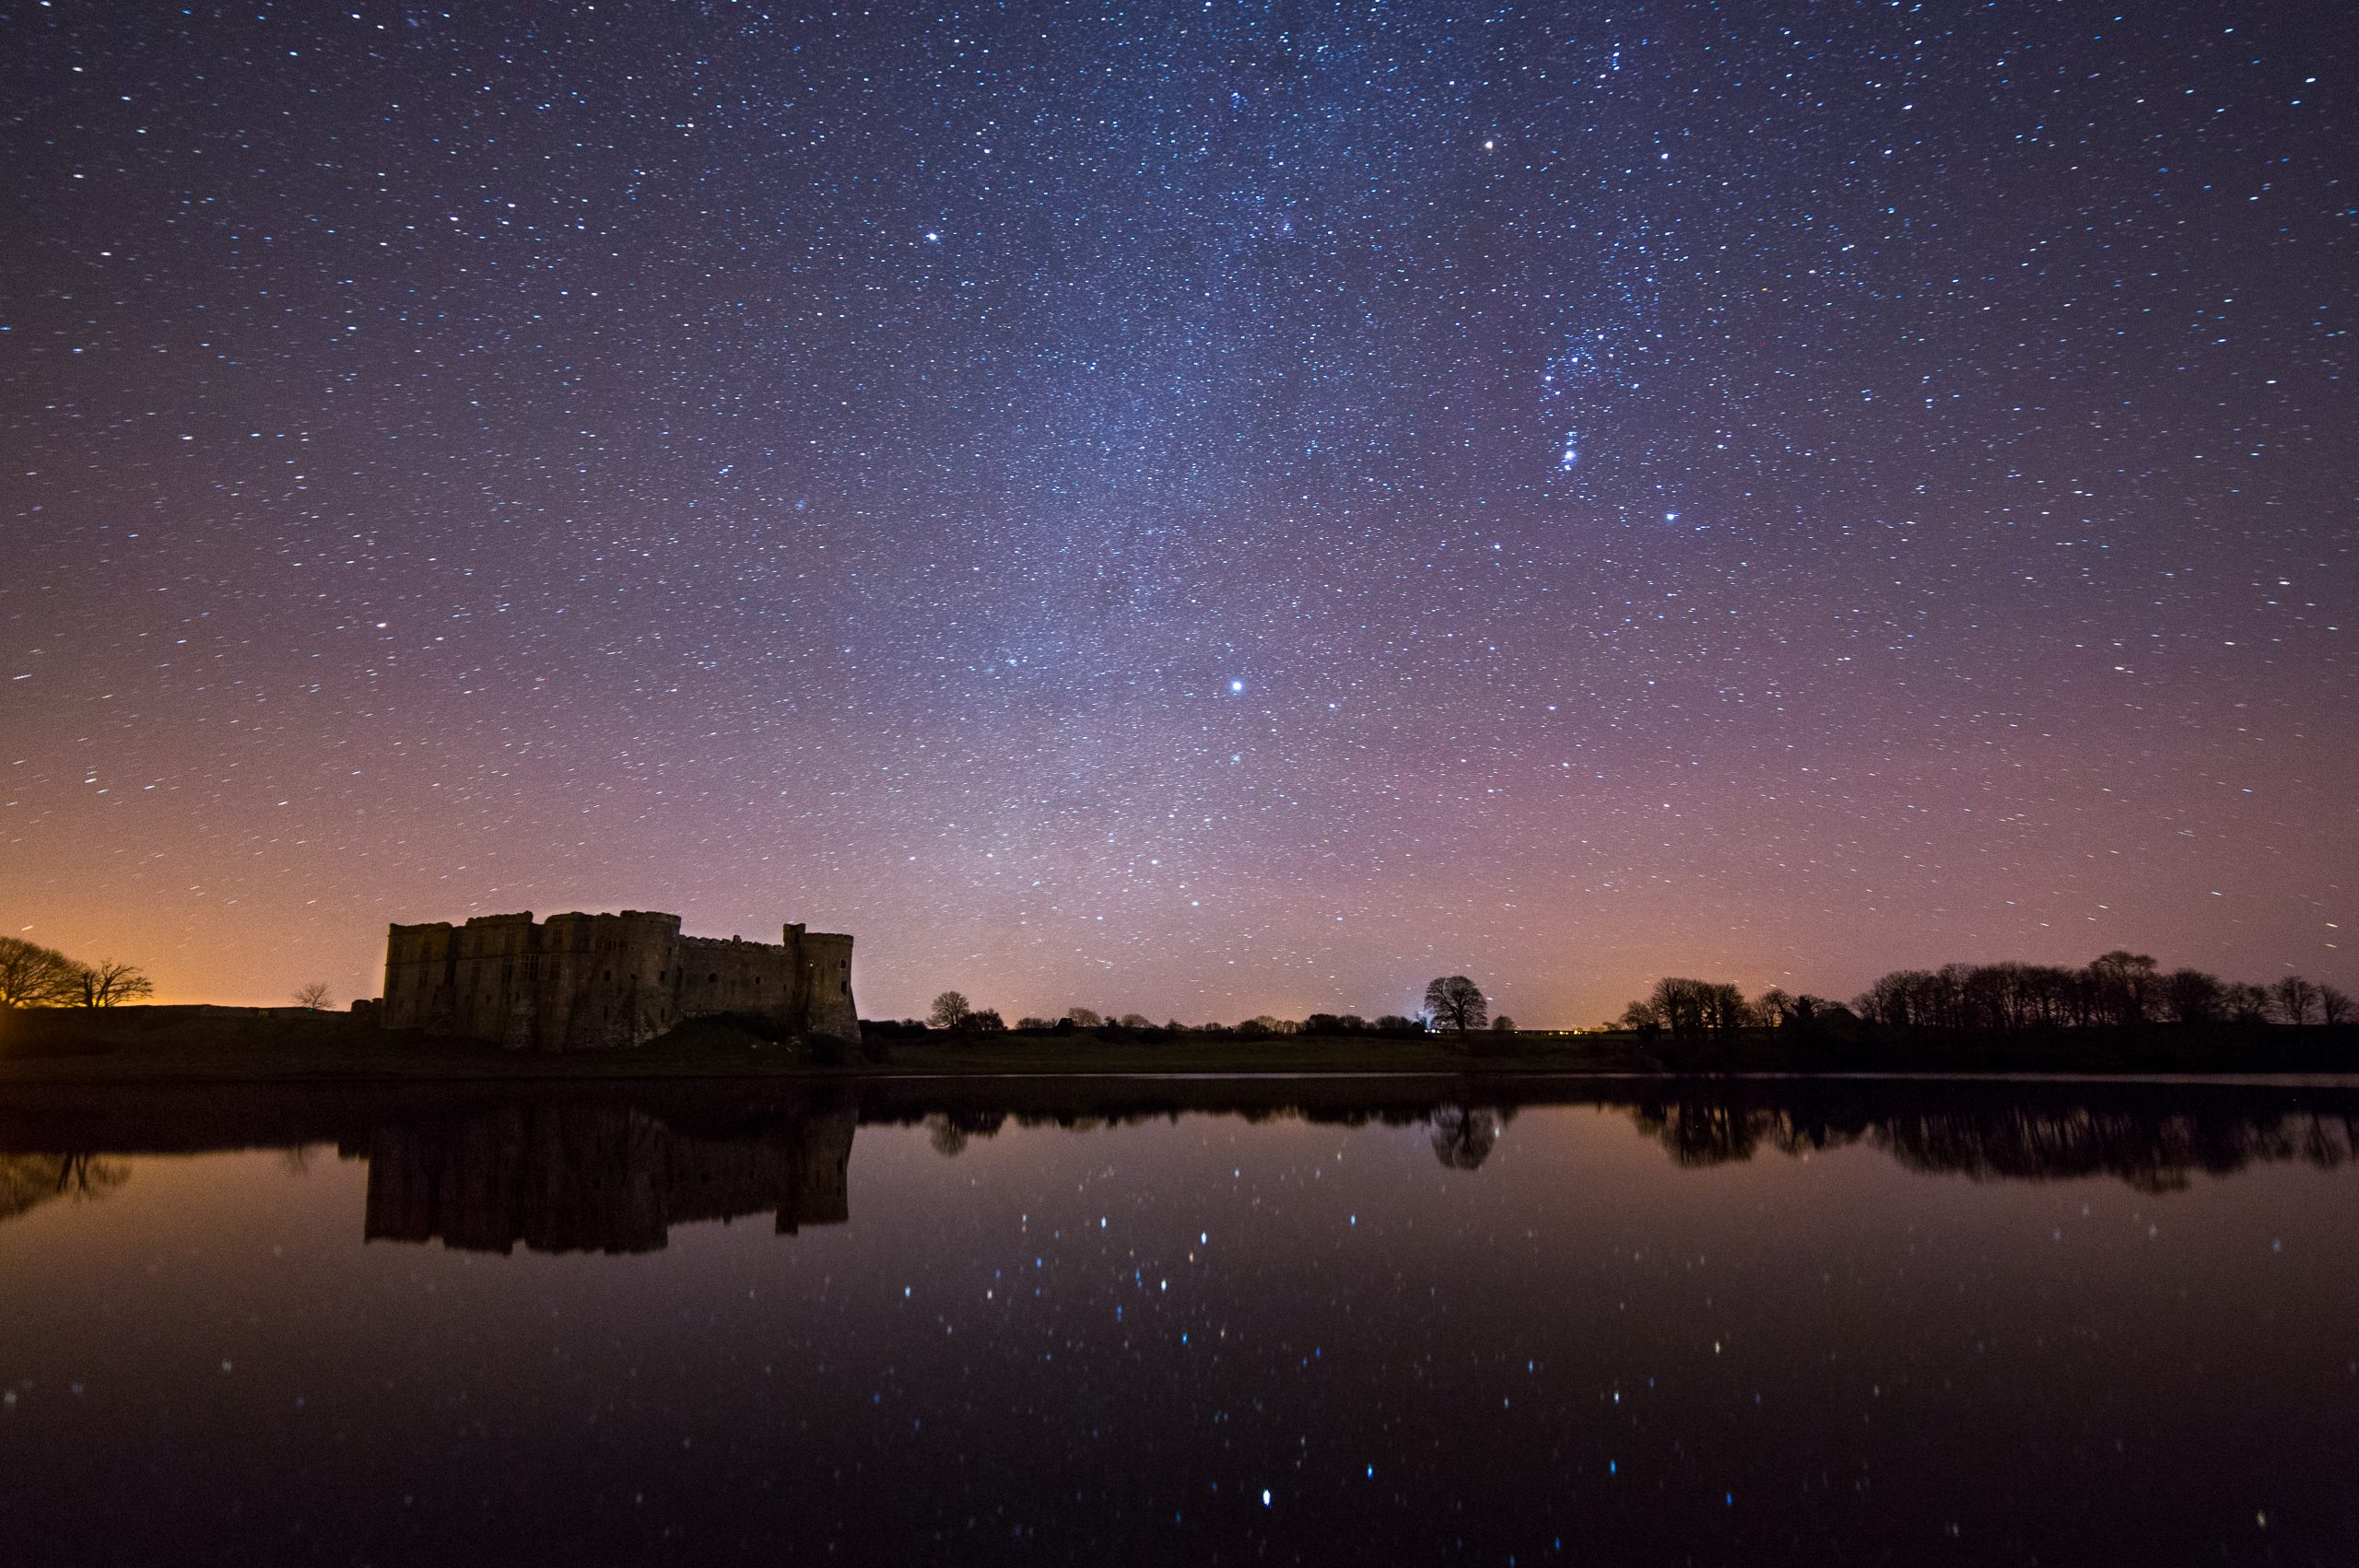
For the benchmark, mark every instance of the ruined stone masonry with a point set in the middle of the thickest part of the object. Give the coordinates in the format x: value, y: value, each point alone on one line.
x: 590, y: 982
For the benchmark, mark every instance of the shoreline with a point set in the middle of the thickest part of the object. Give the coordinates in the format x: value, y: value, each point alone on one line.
x: 166, y: 1046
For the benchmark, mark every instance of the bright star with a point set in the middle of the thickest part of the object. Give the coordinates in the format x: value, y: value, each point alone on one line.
x: 1237, y: 688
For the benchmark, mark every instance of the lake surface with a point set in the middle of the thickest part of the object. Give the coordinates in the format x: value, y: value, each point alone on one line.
x: 1182, y: 1322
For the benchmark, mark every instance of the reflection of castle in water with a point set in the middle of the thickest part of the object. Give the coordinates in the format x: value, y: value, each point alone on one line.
x: 597, y: 1177
x: 613, y: 1171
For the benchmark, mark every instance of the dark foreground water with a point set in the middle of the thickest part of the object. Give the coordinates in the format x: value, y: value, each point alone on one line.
x: 1182, y: 1322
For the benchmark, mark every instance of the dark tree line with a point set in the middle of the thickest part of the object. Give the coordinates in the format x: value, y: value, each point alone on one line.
x: 2122, y: 989
x: 1453, y: 1005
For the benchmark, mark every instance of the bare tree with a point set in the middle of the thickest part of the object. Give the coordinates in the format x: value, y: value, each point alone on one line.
x: 110, y: 982
x: 2245, y: 1002
x: 1456, y: 1002
x: 34, y: 976
x: 950, y: 1010
x: 1502, y: 1024
x: 2296, y: 998
x: 2125, y: 984
x: 2192, y: 997
x: 1085, y: 1017
x: 1641, y: 1015
x: 1726, y: 1010
x: 313, y: 997
x: 1684, y: 1007
x: 2334, y: 1006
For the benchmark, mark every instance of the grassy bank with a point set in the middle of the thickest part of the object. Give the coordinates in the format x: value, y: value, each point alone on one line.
x: 164, y: 1044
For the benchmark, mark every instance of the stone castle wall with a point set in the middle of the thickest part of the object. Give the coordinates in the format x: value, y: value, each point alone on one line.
x: 587, y: 982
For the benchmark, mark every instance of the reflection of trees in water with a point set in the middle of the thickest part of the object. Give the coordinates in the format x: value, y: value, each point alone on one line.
x: 1464, y: 1136
x: 297, y: 1161
x: 27, y: 1181
x: 949, y: 1131
x: 2151, y: 1151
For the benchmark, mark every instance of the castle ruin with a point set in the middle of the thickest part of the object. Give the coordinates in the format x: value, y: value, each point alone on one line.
x: 592, y: 982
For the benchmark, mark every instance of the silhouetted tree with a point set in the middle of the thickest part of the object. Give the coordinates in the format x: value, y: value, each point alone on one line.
x: 1503, y: 1024
x: 313, y: 997
x: 1725, y: 1009
x: 1395, y: 1023
x: 1085, y: 1017
x: 1901, y: 1000
x: 34, y: 976
x: 110, y: 982
x: 1640, y: 1015
x: 2296, y: 999
x: 2334, y: 1006
x: 2244, y: 1003
x: 983, y: 1021
x: 1688, y: 1008
x: 2124, y: 983
x: 1774, y: 1007
x: 950, y: 1010
x: 1456, y: 1002
x: 2190, y: 996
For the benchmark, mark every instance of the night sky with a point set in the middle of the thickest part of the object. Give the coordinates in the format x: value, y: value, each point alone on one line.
x: 1207, y: 510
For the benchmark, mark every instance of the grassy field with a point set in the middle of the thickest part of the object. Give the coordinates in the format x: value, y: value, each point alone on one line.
x: 165, y: 1044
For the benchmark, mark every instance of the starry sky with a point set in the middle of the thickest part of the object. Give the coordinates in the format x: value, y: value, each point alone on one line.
x: 1202, y: 509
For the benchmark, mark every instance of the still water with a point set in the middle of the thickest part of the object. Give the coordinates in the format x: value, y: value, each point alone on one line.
x: 1401, y: 1321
